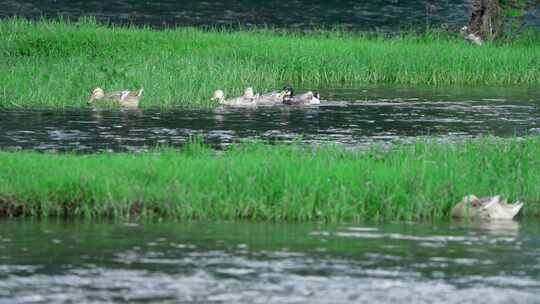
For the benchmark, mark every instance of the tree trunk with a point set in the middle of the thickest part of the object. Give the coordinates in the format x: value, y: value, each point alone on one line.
x: 486, y: 19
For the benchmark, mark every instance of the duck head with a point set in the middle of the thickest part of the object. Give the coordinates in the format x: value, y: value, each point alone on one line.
x: 469, y: 207
x: 288, y: 91
x: 97, y: 93
x: 316, y: 99
x: 464, y: 31
x: 249, y: 93
x: 471, y: 200
x: 218, y: 96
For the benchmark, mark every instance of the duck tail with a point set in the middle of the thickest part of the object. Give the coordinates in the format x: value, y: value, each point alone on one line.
x: 516, y: 207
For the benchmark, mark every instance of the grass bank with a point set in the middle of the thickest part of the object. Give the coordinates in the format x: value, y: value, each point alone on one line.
x: 277, y: 183
x: 56, y: 64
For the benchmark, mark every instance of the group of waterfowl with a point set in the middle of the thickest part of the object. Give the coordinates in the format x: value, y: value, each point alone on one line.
x: 130, y: 99
x: 285, y: 96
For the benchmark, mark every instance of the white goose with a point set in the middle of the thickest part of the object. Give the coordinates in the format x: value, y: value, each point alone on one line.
x: 486, y: 208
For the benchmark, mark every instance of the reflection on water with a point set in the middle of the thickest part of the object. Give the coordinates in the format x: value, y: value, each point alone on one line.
x: 59, y: 262
x: 354, y: 118
x: 298, y: 14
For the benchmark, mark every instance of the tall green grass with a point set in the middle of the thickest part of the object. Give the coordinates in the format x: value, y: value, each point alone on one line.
x: 276, y: 183
x: 57, y: 63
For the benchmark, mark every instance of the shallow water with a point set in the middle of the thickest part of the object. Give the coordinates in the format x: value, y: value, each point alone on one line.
x: 299, y: 14
x: 350, y: 117
x: 83, y: 262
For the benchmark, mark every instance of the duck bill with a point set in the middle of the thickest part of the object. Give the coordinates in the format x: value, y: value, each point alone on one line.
x: 282, y: 94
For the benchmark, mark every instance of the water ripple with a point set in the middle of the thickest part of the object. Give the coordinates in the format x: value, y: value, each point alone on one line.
x: 265, y: 263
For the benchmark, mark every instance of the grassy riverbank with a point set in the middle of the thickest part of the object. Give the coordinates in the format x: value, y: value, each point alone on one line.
x: 281, y: 183
x: 58, y: 63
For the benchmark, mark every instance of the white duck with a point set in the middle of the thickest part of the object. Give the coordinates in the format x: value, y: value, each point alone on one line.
x: 486, y: 208
x: 248, y: 99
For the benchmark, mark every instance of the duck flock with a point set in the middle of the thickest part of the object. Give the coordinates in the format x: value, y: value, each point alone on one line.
x: 285, y: 96
x: 130, y: 99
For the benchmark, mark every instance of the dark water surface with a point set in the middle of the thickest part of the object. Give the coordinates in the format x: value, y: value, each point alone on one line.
x: 85, y: 262
x: 298, y: 14
x: 346, y: 116
x: 380, y: 15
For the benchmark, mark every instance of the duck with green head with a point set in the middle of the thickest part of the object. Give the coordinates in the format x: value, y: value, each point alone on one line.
x: 308, y: 98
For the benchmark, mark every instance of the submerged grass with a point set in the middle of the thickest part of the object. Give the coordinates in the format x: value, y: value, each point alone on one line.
x: 276, y: 183
x: 57, y: 63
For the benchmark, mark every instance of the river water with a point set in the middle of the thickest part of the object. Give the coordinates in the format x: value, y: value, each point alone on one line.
x: 381, y: 15
x: 89, y: 262
x: 387, y: 15
x: 349, y: 117
x: 170, y: 262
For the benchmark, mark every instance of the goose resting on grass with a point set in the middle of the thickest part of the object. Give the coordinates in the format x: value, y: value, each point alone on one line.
x: 125, y: 98
x: 471, y: 37
x: 486, y: 208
